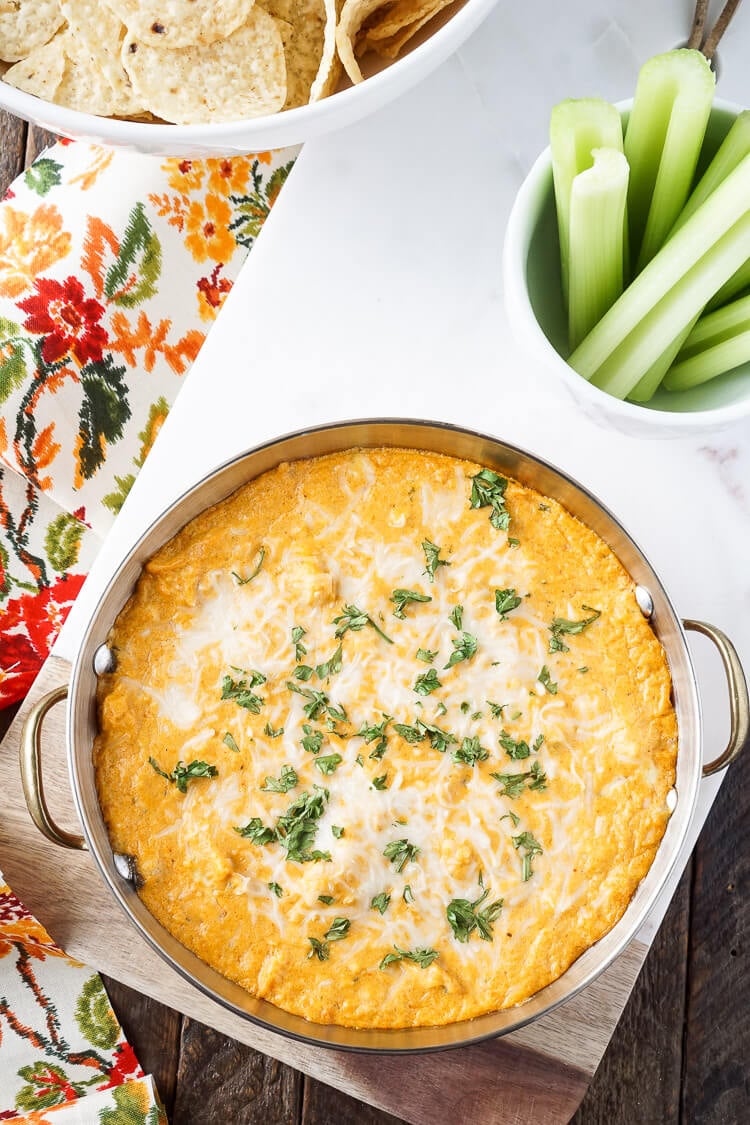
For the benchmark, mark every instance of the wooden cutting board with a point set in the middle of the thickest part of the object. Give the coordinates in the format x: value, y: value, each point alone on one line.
x: 536, y: 1076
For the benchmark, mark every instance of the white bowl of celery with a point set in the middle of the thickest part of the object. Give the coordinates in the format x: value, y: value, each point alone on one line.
x: 627, y: 253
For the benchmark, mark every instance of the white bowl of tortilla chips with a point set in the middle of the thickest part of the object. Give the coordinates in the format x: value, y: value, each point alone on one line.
x: 216, y: 77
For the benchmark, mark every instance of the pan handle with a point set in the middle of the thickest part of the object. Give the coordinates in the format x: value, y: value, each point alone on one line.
x: 31, y: 772
x: 739, y: 702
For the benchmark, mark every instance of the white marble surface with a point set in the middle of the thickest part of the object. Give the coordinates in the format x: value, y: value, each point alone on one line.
x: 375, y: 289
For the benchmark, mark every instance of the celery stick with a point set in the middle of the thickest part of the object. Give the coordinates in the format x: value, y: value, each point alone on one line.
x: 737, y: 282
x: 576, y: 128
x: 663, y: 140
x: 674, y: 312
x: 705, y: 365
x: 734, y: 148
x: 721, y: 211
x: 597, y: 233
x: 648, y: 385
x: 715, y: 327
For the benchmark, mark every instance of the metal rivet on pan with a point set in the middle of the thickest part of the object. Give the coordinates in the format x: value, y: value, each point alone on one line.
x: 672, y: 800
x: 127, y: 869
x: 104, y: 660
x: 645, y: 601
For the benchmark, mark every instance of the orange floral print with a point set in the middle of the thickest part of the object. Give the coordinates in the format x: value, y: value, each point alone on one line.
x: 185, y: 175
x: 208, y: 234
x: 28, y: 245
x: 229, y: 175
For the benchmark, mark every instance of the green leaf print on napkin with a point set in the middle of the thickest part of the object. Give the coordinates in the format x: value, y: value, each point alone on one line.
x: 62, y: 541
x: 48, y: 1085
x: 104, y: 411
x: 132, y: 278
x: 43, y: 175
x: 94, y: 1015
x: 12, y: 365
x: 132, y: 1108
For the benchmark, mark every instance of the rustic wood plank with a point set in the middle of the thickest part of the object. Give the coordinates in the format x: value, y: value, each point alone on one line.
x: 323, y: 1105
x: 38, y: 139
x: 153, y: 1031
x: 220, y: 1079
x: 639, y: 1078
x: 12, y: 146
x: 716, y: 1085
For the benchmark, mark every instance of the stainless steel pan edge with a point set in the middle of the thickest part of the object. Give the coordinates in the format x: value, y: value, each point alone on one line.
x: 434, y: 437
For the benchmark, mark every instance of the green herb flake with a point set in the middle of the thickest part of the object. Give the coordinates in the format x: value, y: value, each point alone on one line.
x: 421, y: 957
x: 515, y: 748
x: 410, y: 734
x: 505, y: 601
x: 464, y: 917
x: 338, y: 929
x: 356, y: 619
x: 408, y: 894
x: 258, y: 567
x: 380, y: 902
x: 457, y: 616
x: 402, y: 598
x: 332, y: 666
x: 427, y: 683
x: 337, y: 831
x: 229, y: 741
x: 375, y: 732
x: 529, y: 847
x: 464, y: 647
x: 439, y: 739
x: 476, y: 716
x: 317, y: 703
x: 432, y: 558
x: 465, y: 707
x: 513, y: 784
x: 400, y: 852
x: 276, y: 889
x: 327, y: 900
x: 561, y: 626
x: 513, y: 542
x: 544, y: 507
x: 380, y: 782
x: 496, y: 709
x: 328, y: 763
x: 584, y: 669
x: 359, y: 760
x: 319, y: 949
x: 470, y: 752
x: 488, y: 490
x: 427, y: 655
x: 313, y: 739
x: 272, y: 732
x: 240, y: 691
x: 299, y: 649
x: 182, y: 774
x: 303, y: 672
x: 296, y: 828
x: 546, y: 680
x: 257, y: 832
x: 282, y: 784
x: 441, y: 709
x: 514, y: 818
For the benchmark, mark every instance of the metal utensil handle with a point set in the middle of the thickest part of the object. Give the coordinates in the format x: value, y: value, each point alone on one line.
x: 739, y: 702
x: 31, y: 772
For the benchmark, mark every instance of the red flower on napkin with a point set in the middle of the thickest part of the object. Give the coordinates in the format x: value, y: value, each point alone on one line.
x: 61, y: 311
x: 28, y: 628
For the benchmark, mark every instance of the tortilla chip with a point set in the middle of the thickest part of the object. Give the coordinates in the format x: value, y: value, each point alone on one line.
x: 404, y: 14
x: 231, y: 79
x: 27, y: 24
x: 100, y: 33
x: 302, y: 31
x: 181, y: 23
x: 41, y: 73
x: 353, y: 15
x: 329, y: 71
x: 83, y: 86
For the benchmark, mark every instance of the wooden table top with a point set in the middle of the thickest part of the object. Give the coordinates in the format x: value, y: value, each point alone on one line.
x: 679, y: 1055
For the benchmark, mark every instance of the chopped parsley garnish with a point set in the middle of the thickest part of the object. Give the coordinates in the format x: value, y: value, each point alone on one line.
x: 561, y: 626
x: 513, y: 784
x: 380, y: 902
x: 241, y: 692
x: 276, y: 889
x: 505, y: 601
x: 376, y: 731
x: 359, y: 760
x: 513, y: 542
x: 282, y: 784
x: 313, y: 739
x: 546, y: 680
x: 465, y: 707
x: 337, y: 831
x: 355, y: 619
x: 229, y: 741
x: 531, y: 847
x: 408, y: 894
x: 465, y: 918
x: 328, y: 763
x: 514, y: 818
x: 457, y: 616
x: 299, y: 649
x: 475, y: 716
x: 380, y: 782
x: 432, y: 558
x: 319, y: 949
x: 470, y: 752
x: 326, y: 899
x: 400, y: 852
x: 426, y: 683
x: 464, y: 647
x: 409, y: 733
x: 584, y: 669
x: 544, y: 507
x: 256, y: 831
x: 427, y: 655
x: 402, y: 598
x: 496, y: 709
x: 303, y: 672
x: 182, y: 774
x: 338, y: 929
x: 256, y: 571
x: 332, y: 666
x: 272, y: 732
x: 441, y: 709
x: 317, y: 703
x: 488, y: 490
x: 515, y: 748
x: 295, y: 829
x: 421, y: 957
x: 439, y: 739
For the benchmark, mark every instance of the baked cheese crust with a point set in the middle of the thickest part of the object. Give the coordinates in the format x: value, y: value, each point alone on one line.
x: 370, y: 808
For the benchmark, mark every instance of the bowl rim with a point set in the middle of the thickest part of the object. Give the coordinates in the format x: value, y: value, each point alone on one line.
x: 518, y: 232
x: 259, y: 131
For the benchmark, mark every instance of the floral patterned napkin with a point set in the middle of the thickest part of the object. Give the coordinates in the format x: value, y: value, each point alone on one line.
x: 112, y: 268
